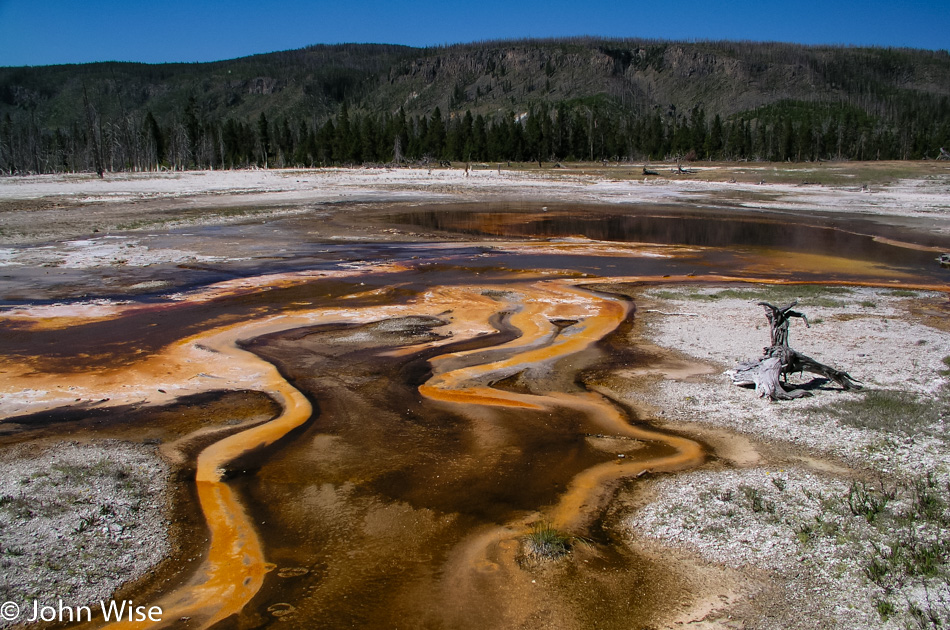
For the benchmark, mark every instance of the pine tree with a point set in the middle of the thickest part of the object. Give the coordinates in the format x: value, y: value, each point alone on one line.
x: 480, y: 138
x: 368, y: 140
x: 697, y: 132
x: 402, y: 130
x: 533, y: 136
x: 714, y: 141
x: 560, y: 141
x: 194, y: 129
x: 343, y: 141
x: 303, y: 155
x: 419, y: 137
x: 263, y: 135
x: 466, y: 137
x: 435, y: 138
x: 326, y: 144
x: 547, y: 135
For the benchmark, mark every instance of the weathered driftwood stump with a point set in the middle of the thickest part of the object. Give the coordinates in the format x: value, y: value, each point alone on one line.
x: 779, y: 360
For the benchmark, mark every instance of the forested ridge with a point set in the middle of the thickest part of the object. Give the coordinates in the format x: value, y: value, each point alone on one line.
x: 531, y: 100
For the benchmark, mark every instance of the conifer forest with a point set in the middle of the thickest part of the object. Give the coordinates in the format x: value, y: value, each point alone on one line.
x: 541, y: 101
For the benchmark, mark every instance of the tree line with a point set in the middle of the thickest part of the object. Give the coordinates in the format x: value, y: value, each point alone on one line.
x: 583, y: 130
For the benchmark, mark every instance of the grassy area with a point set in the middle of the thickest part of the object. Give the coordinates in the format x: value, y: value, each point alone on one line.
x: 892, y: 411
x: 906, y: 553
x: 545, y: 542
x: 906, y: 548
x: 779, y: 294
x: 913, y: 553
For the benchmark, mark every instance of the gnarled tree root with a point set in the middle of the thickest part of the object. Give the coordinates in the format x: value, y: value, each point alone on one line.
x: 779, y: 360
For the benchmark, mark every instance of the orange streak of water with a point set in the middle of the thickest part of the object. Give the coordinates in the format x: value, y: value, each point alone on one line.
x: 229, y: 577
x: 580, y: 500
x: 598, y: 316
x: 234, y: 569
x: 602, y: 316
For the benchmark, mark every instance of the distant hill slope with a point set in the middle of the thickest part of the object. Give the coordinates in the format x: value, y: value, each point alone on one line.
x: 654, y: 98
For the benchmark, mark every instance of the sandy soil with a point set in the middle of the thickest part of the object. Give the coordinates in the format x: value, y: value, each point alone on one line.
x: 78, y: 520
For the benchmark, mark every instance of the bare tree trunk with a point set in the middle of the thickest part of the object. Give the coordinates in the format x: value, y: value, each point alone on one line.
x: 397, y: 150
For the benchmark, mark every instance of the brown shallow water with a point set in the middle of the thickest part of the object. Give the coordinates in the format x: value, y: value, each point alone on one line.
x: 429, y: 408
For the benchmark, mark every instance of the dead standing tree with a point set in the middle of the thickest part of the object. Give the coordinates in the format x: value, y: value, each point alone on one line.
x: 779, y: 360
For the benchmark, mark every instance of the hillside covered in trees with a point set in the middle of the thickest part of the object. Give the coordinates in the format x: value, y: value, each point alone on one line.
x: 532, y: 100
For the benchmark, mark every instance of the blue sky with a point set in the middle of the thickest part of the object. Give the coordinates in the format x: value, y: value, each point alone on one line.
x: 41, y: 32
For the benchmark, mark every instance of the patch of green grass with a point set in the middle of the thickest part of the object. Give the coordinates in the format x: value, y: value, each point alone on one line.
x: 667, y: 295
x: 757, y: 502
x: 141, y: 224
x: 824, y: 303
x: 927, y: 501
x: 103, y: 468
x: 929, y: 617
x: 805, y: 532
x: 190, y: 218
x: 547, y: 542
x: 806, y: 294
x: 866, y: 501
x: 85, y: 524
x: 13, y: 551
x: 879, y: 565
x: 885, y: 609
x: 891, y: 411
x: 69, y: 470
x: 20, y: 507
